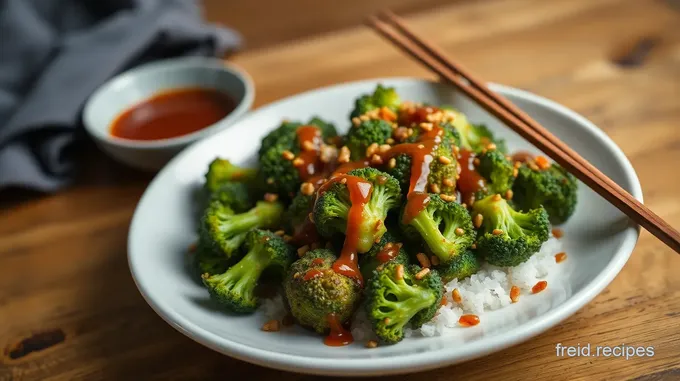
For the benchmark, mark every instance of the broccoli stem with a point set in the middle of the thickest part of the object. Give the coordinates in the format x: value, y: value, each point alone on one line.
x: 410, y: 300
x: 262, y: 215
x: 243, y: 276
x: 435, y: 240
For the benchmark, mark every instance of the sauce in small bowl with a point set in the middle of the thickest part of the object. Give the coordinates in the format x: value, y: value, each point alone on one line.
x: 173, y: 113
x: 145, y: 116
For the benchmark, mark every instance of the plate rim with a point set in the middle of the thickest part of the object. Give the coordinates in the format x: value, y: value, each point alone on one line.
x: 413, y: 362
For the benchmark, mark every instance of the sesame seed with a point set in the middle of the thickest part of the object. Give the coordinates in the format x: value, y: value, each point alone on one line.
x: 455, y: 295
x: 496, y: 232
x: 517, y: 164
x: 508, y: 194
x: 280, y: 233
x: 328, y: 153
x: 364, y: 118
x: 287, y: 238
x: 475, y: 161
x: 532, y: 166
x: 298, y: 162
x: 459, y: 231
x: 301, y: 251
x: 515, y: 172
x: 288, y: 155
x: 426, y: 126
x: 434, y: 188
x: 478, y: 220
x: 422, y: 273
x: 491, y: 147
x: 434, y: 260
x: 447, y: 198
x: 392, y: 163
x: 371, y: 344
x: 343, y: 180
x: 399, y: 272
x: 474, y: 245
x: 382, y: 180
x: 455, y: 150
x: 311, y: 217
x: 384, y: 148
x: 271, y: 326
x: 514, y: 294
x: 376, y: 159
x: 307, y: 188
x: 389, y: 141
x: 542, y: 162
x: 410, y: 131
x: 343, y: 157
x: 424, y: 260
x: 448, y: 182
x: 421, y: 146
x: 387, y: 321
x: 356, y: 121
x: 270, y: 180
x: 371, y: 149
x: 444, y: 160
x: 308, y: 145
x: 271, y: 197
x: 496, y: 197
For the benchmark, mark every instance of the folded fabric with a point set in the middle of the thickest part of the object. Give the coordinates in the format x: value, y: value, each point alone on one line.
x: 55, y: 53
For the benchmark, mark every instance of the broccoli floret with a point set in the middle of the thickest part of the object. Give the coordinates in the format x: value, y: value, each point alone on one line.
x: 332, y: 207
x: 234, y: 289
x: 389, y: 249
x: 280, y: 171
x: 393, y: 301
x: 497, y: 171
x: 298, y: 221
x: 462, y: 266
x: 313, y: 291
x: 444, y: 226
x: 381, y: 97
x: 366, y: 133
x: 475, y: 137
x: 204, y: 260
x: 222, y: 170
x: 222, y: 231
x: 508, y: 237
x: 553, y: 188
x: 443, y: 173
x: 450, y: 134
x: 236, y: 196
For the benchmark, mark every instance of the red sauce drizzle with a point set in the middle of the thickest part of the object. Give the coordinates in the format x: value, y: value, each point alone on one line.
x: 388, y: 252
x: 346, y: 167
x: 338, y: 336
x: 470, y: 180
x: 312, y: 273
x: 317, y: 262
x: 415, y: 202
x: 359, y: 194
x: 312, y: 165
x: 416, y: 115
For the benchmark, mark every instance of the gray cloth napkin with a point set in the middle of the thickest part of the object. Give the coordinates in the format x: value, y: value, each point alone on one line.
x: 55, y: 53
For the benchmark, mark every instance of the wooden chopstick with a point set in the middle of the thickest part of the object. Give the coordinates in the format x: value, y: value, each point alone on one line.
x: 398, y: 23
x: 430, y: 57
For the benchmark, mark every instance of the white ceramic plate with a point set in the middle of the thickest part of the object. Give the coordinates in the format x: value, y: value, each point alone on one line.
x: 598, y: 240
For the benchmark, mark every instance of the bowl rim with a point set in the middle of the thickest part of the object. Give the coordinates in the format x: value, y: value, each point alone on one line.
x: 414, y: 362
x: 171, y: 64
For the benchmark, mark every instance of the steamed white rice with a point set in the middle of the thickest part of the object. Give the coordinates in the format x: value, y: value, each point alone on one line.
x: 487, y: 290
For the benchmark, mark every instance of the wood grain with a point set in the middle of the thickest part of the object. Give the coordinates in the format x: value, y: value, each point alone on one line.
x: 62, y: 258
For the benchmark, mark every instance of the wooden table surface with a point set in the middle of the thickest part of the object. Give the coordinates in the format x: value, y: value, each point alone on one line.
x: 69, y: 309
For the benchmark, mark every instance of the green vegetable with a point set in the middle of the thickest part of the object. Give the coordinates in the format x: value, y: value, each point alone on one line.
x: 508, y: 237
x: 313, y: 291
x: 444, y: 226
x: 392, y: 302
x: 282, y: 176
x: 461, y: 266
x: 332, y: 207
x: 222, y: 170
x: 553, y: 188
x: 442, y: 174
x: 369, y: 261
x: 234, y: 289
x: 222, y: 231
x: 381, y: 97
x: 366, y: 133
x: 475, y: 137
x: 497, y: 171
x: 236, y: 196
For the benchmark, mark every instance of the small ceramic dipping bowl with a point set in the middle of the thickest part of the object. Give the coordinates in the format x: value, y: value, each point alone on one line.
x: 142, y: 83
